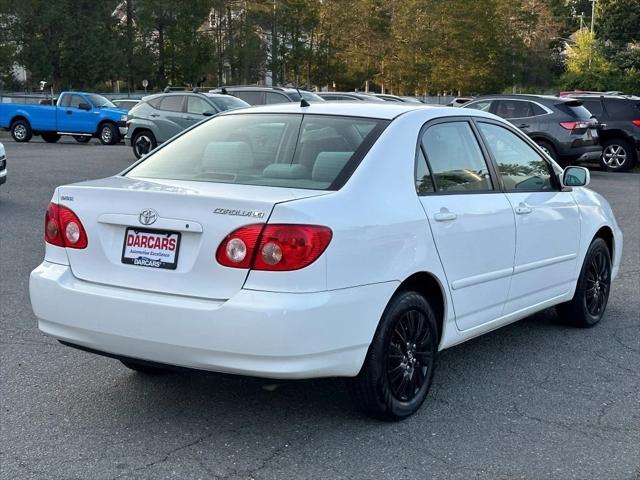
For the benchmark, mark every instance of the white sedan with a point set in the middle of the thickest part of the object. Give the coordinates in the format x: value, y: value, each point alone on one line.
x: 354, y: 240
x: 3, y: 165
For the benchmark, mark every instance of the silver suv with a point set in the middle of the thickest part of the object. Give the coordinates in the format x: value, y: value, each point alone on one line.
x: 157, y: 118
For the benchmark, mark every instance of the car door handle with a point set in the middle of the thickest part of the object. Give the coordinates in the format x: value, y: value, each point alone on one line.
x: 524, y: 125
x: 69, y: 112
x: 154, y: 115
x: 522, y: 209
x: 445, y: 216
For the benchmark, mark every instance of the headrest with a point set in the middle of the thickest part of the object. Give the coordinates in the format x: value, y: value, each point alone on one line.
x: 225, y: 156
x: 328, y: 165
x: 286, y: 170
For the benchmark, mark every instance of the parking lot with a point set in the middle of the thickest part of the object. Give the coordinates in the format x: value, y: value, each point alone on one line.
x: 536, y: 399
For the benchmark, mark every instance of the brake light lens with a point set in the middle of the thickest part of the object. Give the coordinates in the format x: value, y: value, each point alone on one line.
x: 274, y: 247
x: 574, y: 125
x: 636, y: 122
x: 63, y: 228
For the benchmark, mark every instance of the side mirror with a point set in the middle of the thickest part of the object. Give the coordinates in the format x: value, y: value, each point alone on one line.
x: 576, y: 177
x: 209, y: 113
x: 84, y: 106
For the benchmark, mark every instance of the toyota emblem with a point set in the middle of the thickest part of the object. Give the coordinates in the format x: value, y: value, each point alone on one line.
x: 148, y: 216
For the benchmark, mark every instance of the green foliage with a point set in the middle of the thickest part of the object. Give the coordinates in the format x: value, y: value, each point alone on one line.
x: 404, y: 46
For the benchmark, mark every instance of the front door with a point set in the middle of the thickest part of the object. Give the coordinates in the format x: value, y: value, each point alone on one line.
x: 547, y: 219
x: 471, y: 220
x: 73, y: 119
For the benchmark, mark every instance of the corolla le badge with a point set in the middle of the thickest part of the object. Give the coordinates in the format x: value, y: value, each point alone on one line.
x: 239, y: 213
x: 148, y: 216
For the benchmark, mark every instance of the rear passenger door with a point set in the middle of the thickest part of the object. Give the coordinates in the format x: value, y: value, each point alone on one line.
x: 471, y: 219
x: 547, y: 219
x: 519, y: 112
x: 170, y: 119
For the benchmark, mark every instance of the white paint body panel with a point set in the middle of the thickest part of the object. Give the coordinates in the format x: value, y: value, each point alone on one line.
x: 317, y: 321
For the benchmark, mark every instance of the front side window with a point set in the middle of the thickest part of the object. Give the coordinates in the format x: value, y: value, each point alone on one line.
x: 519, y: 165
x: 296, y: 151
x: 197, y: 106
x: 455, y: 158
x: 75, y: 101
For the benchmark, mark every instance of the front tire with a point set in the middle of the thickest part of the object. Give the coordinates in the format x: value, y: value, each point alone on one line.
x: 143, y: 367
x: 143, y: 142
x: 50, y: 137
x: 398, y: 370
x: 21, y: 131
x: 548, y: 149
x: 617, y: 155
x: 109, y: 134
x: 589, y: 301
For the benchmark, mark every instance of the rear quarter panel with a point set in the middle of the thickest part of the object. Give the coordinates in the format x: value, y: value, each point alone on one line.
x: 40, y: 117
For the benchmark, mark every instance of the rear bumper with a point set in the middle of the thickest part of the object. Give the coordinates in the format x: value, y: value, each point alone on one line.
x: 583, y: 154
x: 263, y: 334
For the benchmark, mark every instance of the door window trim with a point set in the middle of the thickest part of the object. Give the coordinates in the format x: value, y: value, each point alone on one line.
x: 498, y: 187
x: 555, y: 181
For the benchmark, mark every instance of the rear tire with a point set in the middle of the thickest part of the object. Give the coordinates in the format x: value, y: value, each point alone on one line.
x: 398, y: 369
x: 21, y: 131
x: 548, y: 149
x: 50, y: 137
x: 82, y: 138
x: 589, y: 301
x: 617, y: 155
x: 109, y: 134
x: 143, y: 367
x: 143, y: 142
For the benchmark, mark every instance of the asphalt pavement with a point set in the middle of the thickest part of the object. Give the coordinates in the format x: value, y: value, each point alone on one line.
x: 534, y: 400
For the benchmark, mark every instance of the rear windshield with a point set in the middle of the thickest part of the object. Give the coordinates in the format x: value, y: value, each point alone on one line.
x: 296, y: 151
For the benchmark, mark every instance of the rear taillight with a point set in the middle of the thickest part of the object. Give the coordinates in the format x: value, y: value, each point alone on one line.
x: 636, y: 122
x: 575, y: 125
x: 273, y: 247
x: 63, y: 228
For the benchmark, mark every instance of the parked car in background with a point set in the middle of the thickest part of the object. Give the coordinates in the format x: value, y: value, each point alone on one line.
x: 262, y: 95
x: 349, y: 97
x: 125, y: 103
x: 395, y: 98
x: 459, y: 101
x: 562, y: 127
x: 3, y: 165
x: 79, y: 114
x: 619, y: 117
x: 157, y: 118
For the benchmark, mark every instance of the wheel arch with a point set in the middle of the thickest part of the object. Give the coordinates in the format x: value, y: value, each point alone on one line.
x: 17, y: 117
x: 431, y: 288
x: 606, y: 234
x: 615, y: 134
x: 103, y: 122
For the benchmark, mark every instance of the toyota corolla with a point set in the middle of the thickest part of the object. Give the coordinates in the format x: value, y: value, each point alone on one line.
x: 349, y: 240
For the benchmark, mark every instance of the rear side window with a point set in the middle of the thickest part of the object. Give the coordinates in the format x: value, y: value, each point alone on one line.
x: 594, y: 106
x: 296, y: 151
x: 622, y: 108
x: 537, y: 109
x: 273, y: 97
x: 155, y: 102
x: 513, y: 109
x: 455, y: 158
x: 251, y: 97
x: 574, y: 109
x: 172, y: 103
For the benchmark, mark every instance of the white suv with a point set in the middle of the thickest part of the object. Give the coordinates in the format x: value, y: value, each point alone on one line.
x: 352, y: 240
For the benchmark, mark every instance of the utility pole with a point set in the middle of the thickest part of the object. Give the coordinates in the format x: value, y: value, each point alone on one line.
x: 581, y: 20
x: 593, y: 18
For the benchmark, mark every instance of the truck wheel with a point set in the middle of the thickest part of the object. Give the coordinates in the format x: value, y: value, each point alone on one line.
x: 82, y: 138
x: 21, y: 131
x: 109, y: 134
x: 50, y: 137
x: 143, y: 142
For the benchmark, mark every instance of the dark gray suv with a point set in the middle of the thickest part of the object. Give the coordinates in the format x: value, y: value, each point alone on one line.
x: 157, y: 118
x: 562, y: 127
x: 262, y: 95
